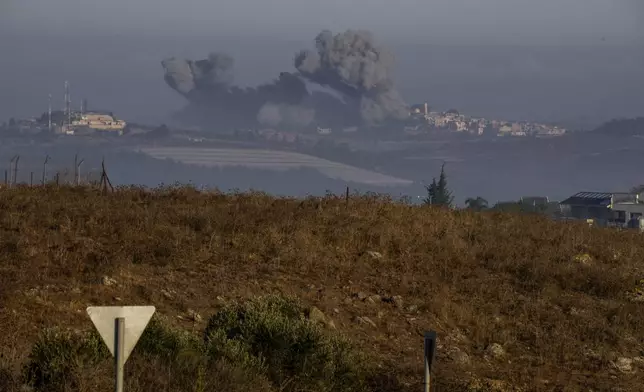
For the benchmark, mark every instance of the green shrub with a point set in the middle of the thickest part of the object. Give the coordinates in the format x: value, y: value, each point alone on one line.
x: 163, y: 342
x: 57, y: 360
x: 265, y: 344
x: 271, y: 335
x: 166, y: 358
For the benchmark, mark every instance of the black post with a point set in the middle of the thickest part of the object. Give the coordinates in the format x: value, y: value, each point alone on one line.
x: 346, y: 197
x: 75, y: 168
x: 44, y: 169
x: 31, y: 179
x: 429, y: 354
x: 15, y: 170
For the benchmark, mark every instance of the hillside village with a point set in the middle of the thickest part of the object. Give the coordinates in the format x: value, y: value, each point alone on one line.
x: 453, y: 121
x: 422, y: 121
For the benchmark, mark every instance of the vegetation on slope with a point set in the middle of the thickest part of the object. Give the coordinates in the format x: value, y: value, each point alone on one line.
x: 519, y: 302
x: 622, y: 127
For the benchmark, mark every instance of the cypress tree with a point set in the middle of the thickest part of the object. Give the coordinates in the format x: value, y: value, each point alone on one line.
x: 438, y: 193
x: 444, y: 194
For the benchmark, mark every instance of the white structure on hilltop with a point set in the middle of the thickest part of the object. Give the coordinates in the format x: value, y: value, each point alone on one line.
x: 99, y: 122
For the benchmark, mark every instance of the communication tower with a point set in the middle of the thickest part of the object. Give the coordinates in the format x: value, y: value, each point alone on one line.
x: 49, y: 114
x: 68, y: 104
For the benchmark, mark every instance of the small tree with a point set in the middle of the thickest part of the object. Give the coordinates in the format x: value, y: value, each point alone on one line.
x: 438, y: 193
x: 476, y: 204
x: 431, y: 192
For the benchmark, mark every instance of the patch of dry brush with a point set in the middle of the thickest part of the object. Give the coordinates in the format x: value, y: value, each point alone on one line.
x: 560, y: 300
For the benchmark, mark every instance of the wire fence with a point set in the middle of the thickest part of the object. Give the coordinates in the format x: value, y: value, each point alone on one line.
x: 33, y: 174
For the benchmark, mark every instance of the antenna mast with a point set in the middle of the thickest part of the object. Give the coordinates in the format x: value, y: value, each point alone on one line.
x: 68, y: 108
x: 49, y: 113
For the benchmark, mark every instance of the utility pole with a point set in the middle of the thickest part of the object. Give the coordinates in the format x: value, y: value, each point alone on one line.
x: 68, y: 105
x: 44, y: 170
x: 77, y: 170
x: 13, y: 169
x: 10, y: 172
x: 49, y: 113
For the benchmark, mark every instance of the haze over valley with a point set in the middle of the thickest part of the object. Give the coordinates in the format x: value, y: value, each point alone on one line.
x: 513, y: 62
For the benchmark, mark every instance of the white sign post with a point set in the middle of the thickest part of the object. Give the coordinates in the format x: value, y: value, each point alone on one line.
x: 120, y: 327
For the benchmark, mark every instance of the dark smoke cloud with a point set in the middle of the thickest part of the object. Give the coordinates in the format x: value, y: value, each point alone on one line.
x: 349, y: 64
x: 352, y: 63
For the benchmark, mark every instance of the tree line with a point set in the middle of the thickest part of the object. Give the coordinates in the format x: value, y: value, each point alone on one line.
x: 439, y: 194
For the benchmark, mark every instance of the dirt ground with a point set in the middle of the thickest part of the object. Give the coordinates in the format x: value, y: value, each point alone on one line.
x: 518, y: 302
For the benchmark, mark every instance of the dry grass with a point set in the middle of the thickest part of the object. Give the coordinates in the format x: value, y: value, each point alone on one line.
x: 476, y: 278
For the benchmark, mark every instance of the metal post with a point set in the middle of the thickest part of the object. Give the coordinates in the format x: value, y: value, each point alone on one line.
x: 76, y: 166
x: 119, y: 351
x: 430, y: 349
x: 346, y: 196
x: 15, y: 170
x: 428, y: 377
x: 44, y: 170
x: 6, y: 177
x: 31, y: 179
x: 11, y: 171
x: 78, y: 176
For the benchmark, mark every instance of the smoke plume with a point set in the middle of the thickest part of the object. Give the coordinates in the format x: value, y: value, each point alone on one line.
x: 352, y: 75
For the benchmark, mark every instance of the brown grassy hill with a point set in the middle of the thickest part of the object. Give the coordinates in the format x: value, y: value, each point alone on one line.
x: 519, y: 302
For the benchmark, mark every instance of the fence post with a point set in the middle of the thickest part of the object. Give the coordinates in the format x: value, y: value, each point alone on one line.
x: 346, y: 196
x: 15, y: 170
x: 78, y: 176
x: 44, y: 170
x: 31, y: 179
x: 6, y: 177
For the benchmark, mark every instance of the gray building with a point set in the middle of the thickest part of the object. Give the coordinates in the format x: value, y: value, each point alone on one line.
x: 605, y: 209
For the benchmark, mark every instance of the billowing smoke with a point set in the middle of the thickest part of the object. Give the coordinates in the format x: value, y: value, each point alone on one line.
x: 352, y: 75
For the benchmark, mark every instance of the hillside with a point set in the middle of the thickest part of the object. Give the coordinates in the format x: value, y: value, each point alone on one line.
x: 518, y: 302
x: 622, y: 127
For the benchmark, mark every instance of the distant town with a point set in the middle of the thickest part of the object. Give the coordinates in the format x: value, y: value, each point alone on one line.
x: 422, y: 120
x: 453, y: 121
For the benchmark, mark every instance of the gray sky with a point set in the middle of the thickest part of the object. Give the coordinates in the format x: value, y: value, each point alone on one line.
x: 514, y: 21
x: 593, y: 76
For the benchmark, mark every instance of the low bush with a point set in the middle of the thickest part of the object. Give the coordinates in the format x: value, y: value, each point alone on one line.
x: 265, y: 344
x: 59, y: 358
x: 272, y: 335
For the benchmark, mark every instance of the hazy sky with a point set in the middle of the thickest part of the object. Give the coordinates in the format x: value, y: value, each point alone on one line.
x: 519, y: 21
x: 597, y: 75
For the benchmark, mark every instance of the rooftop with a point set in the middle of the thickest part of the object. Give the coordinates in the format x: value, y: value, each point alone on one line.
x: 595, y: 198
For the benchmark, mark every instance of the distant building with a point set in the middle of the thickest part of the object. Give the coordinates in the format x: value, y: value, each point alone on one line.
x: 99, y: 122
x: 535, y: 201
x: 461, y: 126
x: 599, y: 207
x: 422, y: 109
x: 630, y: 213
